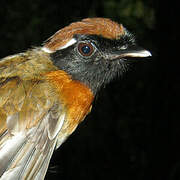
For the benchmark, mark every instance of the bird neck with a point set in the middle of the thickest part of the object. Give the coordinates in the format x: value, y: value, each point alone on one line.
x: 76, y: 97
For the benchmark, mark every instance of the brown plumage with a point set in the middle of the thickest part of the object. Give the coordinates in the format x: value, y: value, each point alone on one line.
x: 47, y: 91
x: 97, y: 26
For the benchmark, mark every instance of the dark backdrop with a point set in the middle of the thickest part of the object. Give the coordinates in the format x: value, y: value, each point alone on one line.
x: 133, y: 129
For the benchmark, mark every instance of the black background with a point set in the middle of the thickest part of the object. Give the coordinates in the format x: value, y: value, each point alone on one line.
x: 133, y: 129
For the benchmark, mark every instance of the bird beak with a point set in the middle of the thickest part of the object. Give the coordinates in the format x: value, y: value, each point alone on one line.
x: 130, y: 52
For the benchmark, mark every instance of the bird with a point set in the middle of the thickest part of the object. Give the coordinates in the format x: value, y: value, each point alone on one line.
x: 46, y: 91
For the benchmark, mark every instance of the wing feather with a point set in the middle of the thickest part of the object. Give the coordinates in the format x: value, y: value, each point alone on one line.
x: 30, y: 119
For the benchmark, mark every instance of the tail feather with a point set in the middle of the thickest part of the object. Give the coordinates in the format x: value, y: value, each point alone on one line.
x: 26, y: 155
x: 9, y: 150
x: 3, y: 137
x: 44, y: 166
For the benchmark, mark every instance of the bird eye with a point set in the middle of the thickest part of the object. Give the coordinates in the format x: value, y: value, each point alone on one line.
x: 85, y: 49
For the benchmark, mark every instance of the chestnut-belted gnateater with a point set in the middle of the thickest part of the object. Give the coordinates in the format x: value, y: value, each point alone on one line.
x: 45, y: 92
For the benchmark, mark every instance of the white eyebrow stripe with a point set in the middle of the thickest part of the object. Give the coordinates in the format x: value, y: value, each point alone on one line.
x: 47, y: 50
x: 69, y: 43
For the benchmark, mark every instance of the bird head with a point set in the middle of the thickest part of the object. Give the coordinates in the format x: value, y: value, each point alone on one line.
x: 93, y: 51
